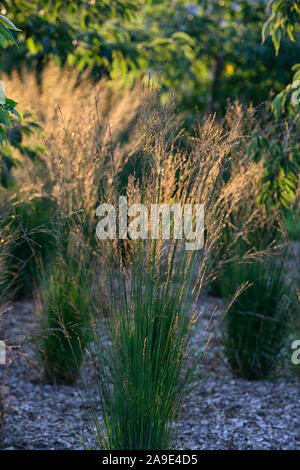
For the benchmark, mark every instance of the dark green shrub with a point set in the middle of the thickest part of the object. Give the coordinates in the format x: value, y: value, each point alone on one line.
x: 256, y: 324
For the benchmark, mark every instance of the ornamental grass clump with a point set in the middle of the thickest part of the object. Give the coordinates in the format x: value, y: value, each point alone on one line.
x: 65, y: 309
x: 143, y: 367
x: 32, y: 221
x: 143, y: 373
x: 256, y: 324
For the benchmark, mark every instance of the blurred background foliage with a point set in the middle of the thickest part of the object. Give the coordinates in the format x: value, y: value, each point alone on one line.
x: 205, y: 51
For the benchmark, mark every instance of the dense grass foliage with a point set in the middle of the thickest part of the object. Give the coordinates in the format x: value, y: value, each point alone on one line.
x: 65, y: 313
x: 256, y: 324
x: 35, y: 245
x: 143, y: 375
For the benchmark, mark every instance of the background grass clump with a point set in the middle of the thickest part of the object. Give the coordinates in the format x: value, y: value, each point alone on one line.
x: 65, y: 309
x: 256, y: 324
x: 32, y: 220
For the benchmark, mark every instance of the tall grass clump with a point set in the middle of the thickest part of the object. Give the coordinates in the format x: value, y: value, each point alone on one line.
x: 143, y: 369
x: 144, y: 377
x: 256, y: 324
x: 247, y: 261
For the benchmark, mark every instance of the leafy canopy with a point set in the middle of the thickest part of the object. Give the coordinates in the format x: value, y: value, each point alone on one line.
x: 7, y: 106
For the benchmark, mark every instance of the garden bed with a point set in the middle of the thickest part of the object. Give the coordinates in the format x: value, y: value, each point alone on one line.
x: 222, y: 412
